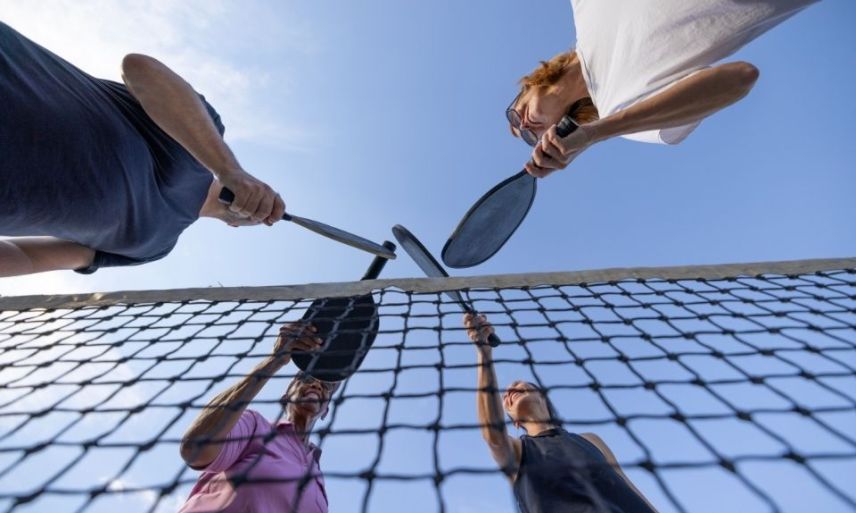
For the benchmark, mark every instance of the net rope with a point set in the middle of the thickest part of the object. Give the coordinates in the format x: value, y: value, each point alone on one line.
x: 717, y: 388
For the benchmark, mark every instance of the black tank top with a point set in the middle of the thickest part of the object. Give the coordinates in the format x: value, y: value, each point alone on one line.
x: 561, y: 472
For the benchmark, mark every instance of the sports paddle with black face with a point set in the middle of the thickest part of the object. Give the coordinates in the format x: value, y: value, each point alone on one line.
x: 347, y: 325
x: 494, y: 218
x: 226, y: 196
x: 433, y: 269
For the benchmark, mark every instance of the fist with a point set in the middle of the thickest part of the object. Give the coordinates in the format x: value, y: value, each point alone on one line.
x: 293, y: 337
x: 478, y: 329
x: 553, y: 153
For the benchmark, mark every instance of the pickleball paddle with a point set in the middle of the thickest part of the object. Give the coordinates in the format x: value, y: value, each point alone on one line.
x: 429, y: 265
x: 347, y: 325
x: 494, y: 218
x: 226, y: 196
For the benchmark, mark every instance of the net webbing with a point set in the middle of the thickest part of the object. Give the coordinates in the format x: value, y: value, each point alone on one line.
x: 734, y: 390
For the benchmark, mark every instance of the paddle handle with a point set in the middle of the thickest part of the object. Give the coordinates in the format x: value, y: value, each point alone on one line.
x: 566, y: 126
x: 226, y: 196
x: 492, y: 339
x: 377, y: 264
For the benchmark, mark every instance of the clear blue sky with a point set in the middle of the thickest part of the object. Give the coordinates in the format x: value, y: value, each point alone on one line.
x: 368, y: 114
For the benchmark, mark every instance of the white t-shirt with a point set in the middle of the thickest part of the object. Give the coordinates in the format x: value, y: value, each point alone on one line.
x: 630, y: 50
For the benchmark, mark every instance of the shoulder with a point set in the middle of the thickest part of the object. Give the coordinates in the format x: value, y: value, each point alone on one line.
x: 599, y: 444
x: 255, y: 418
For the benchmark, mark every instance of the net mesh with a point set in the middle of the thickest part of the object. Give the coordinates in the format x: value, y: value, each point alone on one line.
x: 714, y: 393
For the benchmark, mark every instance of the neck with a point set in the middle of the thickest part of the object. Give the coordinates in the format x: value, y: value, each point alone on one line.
x: 572, y: 87
x: 303, y: 426
x: 533, y: 428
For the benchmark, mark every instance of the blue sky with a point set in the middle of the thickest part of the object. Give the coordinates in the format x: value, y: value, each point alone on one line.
x: 368, y: 114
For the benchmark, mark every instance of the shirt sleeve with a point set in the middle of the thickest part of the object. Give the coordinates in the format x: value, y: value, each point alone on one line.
x: 237, y: 441
x: 215, y: 116
x: 104, y: 259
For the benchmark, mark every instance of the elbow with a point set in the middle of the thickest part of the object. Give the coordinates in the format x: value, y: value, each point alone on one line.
x: 191, y: 452
x: 745, y: 76
x: 136, y: 66
x: 186, y: 450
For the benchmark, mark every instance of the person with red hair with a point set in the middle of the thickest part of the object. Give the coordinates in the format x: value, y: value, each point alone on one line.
x: 643, y: 70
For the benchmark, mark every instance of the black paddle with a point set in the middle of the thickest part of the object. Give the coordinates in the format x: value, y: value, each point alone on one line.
x: 227, y: 197
x: 494, y: 218
x: 433, y: 269
x: 348, y: 326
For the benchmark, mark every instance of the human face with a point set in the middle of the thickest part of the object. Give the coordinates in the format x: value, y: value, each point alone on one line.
x: 308, y: 397
x: 523, y: 399
x: 533, y: 112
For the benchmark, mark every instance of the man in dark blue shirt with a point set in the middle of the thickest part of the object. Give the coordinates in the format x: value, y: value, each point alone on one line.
x: 95, y: 173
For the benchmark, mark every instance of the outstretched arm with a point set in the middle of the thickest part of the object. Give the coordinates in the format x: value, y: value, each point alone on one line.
x: 26, y: 255
x: 506, y: 451
x: 204, y: 439
x: 610, y: 458
x: 176, y: 108
x: 689, y: 100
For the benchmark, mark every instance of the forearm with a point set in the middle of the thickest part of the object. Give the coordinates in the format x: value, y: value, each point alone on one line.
x: 690, y: 100
x: 28, y: 255
x: 489, y: 404
x: 204, y: 438
x: 176, y: 108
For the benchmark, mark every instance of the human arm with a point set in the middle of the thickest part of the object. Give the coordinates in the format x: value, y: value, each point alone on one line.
x: 506, y: 451
x: 27, y: 255
x: 687, y: 101
x: 176, y: 108
x: 610, y: 458
x: 206, y: 435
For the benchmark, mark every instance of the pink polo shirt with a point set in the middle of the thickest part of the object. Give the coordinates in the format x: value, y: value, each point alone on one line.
x: 249, y: 455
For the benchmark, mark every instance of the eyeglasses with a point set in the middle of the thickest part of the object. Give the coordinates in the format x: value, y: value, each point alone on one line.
x: 329, y: 386
x: 516, y: 122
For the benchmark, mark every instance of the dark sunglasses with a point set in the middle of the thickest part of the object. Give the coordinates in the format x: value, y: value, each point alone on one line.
x: 516, y: 121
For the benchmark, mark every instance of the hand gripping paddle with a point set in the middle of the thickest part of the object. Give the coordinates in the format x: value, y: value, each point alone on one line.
x: 494, y: 218
x: 347, y: 325
x: 227, y: 197
x: 433, y: 269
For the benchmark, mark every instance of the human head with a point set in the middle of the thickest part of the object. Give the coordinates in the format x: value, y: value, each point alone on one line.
x: 543, y: 100
x: 524, y: 401
x: 307, y: 397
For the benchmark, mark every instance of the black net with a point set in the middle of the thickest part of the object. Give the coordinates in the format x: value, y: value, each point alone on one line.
x: 714, y: 394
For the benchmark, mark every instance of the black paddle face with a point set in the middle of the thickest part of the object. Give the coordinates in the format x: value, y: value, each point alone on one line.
x: 418, y: 252
x: 431, y: 267
x: 425, y: 260
x: 348, y: 327
x: 493, y: 219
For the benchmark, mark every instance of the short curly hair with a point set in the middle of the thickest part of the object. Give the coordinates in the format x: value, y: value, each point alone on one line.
x: 548, y: 73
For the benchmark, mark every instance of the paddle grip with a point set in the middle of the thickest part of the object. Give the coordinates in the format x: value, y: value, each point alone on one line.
x: 377, y: 264
x: 566, y: 126
x: 493, y: 340
x: 226, y: 196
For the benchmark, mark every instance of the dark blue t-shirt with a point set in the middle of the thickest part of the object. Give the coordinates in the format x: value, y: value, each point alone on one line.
x: 561, y: 471
x: 80, y: 160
